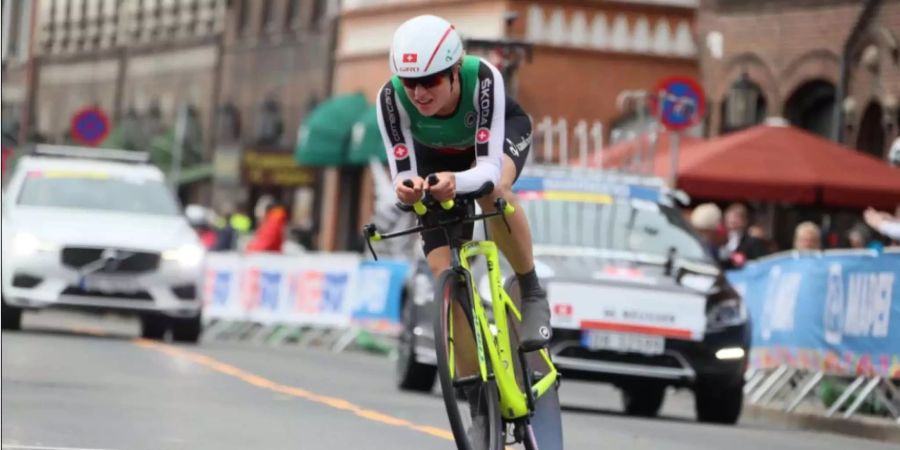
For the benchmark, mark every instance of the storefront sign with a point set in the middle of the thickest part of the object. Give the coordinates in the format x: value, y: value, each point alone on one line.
x: 274, y: 168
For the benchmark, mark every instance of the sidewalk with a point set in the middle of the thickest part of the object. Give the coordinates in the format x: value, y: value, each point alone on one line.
x: 879, y: 429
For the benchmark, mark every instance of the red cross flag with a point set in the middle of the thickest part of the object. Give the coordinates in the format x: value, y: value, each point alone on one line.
x: 410, y: 57
x: 400, y: 151
x: 483, y: 135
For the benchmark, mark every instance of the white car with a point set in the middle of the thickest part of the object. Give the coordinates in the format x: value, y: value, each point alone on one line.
x: 99, y: 229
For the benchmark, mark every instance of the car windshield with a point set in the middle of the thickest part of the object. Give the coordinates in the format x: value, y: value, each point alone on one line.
x: 97, y: 191
x: 638, y: 226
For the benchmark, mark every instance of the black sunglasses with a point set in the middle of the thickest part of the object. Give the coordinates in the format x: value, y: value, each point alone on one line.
x: 427, y: 82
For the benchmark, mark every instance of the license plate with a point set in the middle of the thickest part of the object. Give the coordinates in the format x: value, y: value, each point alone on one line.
x: 108, y: 285
x: 624, y: 342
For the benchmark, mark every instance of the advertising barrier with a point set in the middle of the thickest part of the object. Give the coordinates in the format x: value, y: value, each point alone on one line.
x: 837, y: 312
x: 333, y: 290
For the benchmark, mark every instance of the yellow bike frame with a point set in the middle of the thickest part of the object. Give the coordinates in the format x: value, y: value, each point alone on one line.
x: 513, y: 401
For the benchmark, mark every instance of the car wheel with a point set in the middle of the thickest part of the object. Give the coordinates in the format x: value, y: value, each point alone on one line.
x: 187, y: 329
x: 643, y: 399
x: 11, y: 317
x: 717, y: 404
x: 153, y: 327
x: 410, y: 374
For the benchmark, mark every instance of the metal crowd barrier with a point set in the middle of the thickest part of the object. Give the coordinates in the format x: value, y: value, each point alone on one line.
x: 788, y: 388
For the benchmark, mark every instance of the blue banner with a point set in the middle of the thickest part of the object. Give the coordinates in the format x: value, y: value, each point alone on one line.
x: 833, y: 311
x: 379, y: 289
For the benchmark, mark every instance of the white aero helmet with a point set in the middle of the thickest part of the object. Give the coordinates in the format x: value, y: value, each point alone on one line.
x: 424, y: 45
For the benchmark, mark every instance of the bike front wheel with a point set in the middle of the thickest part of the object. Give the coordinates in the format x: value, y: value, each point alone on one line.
x: 472, y: 403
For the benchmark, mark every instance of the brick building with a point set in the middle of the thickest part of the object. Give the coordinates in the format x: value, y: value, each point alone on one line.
x: 16, y: 66
x: 818, y: 63
x: 137, y: 61
x: 829, y: 66
x: 248, y: 71
x: 276, y: 61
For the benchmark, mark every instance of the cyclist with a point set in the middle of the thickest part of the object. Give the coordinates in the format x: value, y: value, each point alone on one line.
x: 447, y: 113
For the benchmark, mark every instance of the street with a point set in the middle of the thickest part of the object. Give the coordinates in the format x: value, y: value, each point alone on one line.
x: 81, y: 382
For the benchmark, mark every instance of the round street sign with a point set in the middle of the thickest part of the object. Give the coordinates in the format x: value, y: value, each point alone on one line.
x: 89, y: 126
x: 678, y: 102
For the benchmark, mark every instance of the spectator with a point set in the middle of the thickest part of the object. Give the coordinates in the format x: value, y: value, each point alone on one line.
x: 233, y: 226
x: 270, y: 234
x: 860, y: 236
x: 883, y: 222
x: 807, y: 236
x: 757, y: 231
x: 199, y: 219
x: 740, y: 246
x: 706, y: 219
x: 263, y: 203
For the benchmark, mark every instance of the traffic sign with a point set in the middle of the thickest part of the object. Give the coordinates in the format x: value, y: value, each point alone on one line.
x: 679, y: 102
x: 89, y: 126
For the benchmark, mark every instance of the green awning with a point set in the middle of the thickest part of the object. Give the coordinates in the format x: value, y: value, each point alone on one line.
x: 366, y: 141
x: 324, y: 136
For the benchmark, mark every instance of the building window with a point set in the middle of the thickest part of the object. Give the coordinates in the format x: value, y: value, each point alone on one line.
x: 243, y: 13
x: 11, y: 27
x: 269, y: 125
x: 293, y: 13
x: 268, y: 15
x: 318, y: 12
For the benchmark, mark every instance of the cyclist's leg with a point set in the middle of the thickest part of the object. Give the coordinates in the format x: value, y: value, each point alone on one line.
x: 515, y: 243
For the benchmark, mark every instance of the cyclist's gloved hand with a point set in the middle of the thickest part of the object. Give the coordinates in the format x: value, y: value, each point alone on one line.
x: 445, y: 188
x: 410, y: 190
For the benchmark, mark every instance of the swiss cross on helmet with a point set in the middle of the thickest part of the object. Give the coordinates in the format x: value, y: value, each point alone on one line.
x: 424, y: 45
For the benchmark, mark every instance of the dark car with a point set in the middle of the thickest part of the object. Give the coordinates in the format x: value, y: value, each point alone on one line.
x: 636, y: 300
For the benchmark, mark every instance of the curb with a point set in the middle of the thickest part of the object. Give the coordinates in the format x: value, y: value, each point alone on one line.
x: 868, y: 428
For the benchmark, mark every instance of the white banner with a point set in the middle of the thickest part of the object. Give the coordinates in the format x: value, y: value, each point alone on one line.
x: 221, y: 286
x: 307, y: 289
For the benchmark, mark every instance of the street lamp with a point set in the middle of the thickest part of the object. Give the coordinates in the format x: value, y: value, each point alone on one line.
x: 741, y: 104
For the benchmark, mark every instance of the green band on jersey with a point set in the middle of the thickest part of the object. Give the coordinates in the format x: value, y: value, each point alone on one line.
x: 456, y: 131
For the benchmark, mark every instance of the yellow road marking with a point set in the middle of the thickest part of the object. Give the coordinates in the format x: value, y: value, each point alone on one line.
x: 258, y: 381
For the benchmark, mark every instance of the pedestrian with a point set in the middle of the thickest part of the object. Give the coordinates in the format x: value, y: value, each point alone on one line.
x: 270, y: 234
x: 807, y: 236
x: 706, y: 218
x: 757, y: 231
x: 740, y: 246
x: 234, y: 225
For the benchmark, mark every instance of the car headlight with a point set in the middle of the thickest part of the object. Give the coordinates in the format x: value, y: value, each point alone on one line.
x: 188, y: 255
x: 726, y: 313
x: 26, y: 244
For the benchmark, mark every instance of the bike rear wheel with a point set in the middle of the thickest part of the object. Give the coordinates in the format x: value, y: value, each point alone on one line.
x: 472, y: 404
